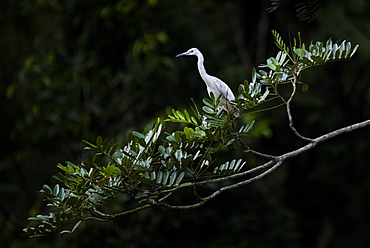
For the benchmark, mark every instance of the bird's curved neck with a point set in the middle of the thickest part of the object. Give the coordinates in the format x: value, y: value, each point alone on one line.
x: 201, y: 64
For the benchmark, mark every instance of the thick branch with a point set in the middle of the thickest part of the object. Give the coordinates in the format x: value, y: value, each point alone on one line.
x: 323, y: 138
x: 268, y: 168
x: 276, y: 162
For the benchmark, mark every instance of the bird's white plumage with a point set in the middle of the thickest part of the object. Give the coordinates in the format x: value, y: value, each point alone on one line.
x: 214, y: 84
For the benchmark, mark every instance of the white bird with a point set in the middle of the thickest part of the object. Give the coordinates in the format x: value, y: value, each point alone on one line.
x: 214, y: 84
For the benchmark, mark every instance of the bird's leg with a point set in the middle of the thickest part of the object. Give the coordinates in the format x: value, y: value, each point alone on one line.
x: 219, y: 110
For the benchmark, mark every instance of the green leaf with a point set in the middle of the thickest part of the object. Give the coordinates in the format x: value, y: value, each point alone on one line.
x: 99, y: 141
x: 208, y: 102
x: 299, y: 52
x: 56, y: 190
x: 165, y: 177
x: 185, y: 184
x: 159, y: 177
x: 354, y: 50
x: 179, y: 178
x: 209, y: 110
x: 305, y: 87
x: 139, y: 135
x: 89, y: 144
x: 73, y: 229
x: 47, y: 189
x: 172, y: 178
x: 254, y: 76
x: 187, y: 116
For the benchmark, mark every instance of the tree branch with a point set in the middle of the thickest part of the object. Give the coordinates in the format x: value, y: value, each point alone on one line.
x: 323, y: 138
x: 276, y: 162
x: 270, y: 166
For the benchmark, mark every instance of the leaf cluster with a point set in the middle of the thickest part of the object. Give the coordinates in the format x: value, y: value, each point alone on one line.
x: 306, y: 11
x: 288, y: 64
x: 143, y: 169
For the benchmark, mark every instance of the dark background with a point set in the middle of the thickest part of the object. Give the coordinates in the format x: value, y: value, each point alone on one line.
x: 73, y: 70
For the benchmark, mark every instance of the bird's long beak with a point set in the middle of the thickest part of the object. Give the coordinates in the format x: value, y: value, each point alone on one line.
x: 181, y: 54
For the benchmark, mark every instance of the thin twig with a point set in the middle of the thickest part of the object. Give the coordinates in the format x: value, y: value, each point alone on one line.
x: 223, y: 189
x: 265, y: 109
x: 249, y: 150
x: 290, y: 118
x: 105, y: 216
x: 222, y: 179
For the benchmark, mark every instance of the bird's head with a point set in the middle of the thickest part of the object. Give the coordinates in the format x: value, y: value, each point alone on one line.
x: 191, y: 51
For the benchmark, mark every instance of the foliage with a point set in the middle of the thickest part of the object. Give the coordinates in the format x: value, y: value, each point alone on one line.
x: 307, y: 10
x: 154, y: 165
